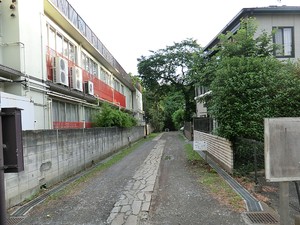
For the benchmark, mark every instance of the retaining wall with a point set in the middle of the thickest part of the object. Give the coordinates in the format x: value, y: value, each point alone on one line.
x: 51, y: 156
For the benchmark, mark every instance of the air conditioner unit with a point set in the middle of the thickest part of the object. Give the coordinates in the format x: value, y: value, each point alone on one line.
x: 89, y: 88
x: 76, y: 76
x: 60, y: 71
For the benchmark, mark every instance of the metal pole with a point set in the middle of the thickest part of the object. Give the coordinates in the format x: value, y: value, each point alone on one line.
x: 255, y: 165
x: 2, y: 190
x: 284, y: 202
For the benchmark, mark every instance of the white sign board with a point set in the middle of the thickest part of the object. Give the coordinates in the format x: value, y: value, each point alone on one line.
x: 200, y: 145
x: 282, y: 149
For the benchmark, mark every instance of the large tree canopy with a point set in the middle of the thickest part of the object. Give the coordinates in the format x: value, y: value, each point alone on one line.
x: 170, y: 68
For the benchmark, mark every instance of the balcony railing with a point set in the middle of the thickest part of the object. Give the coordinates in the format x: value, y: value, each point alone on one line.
x: 65, y: 8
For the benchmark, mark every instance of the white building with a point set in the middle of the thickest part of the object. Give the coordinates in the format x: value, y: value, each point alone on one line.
x: 55, y: 67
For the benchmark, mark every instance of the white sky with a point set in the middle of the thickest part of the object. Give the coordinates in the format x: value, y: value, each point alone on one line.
x: 130, y: 28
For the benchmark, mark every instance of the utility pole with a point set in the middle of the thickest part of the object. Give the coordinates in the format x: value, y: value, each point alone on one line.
x: 2, y: 190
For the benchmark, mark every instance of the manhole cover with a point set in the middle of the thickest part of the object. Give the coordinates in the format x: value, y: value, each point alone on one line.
x: 14, y: 220
x: 260, y: 218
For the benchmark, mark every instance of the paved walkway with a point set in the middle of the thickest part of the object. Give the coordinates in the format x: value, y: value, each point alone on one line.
x: 134, y: 203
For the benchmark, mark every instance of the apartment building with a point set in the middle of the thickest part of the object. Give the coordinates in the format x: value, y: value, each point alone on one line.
x: 286, y: 21
x: 54, y: 67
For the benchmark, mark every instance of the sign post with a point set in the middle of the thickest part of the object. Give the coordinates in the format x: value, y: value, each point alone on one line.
x: 282, y: 157
x: 2, y: 190
x: 284, y: 202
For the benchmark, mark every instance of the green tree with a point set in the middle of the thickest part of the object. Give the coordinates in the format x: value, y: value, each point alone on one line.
x: 250, y: 84
x: 156, y: 117
x: 170, y: 68
x: 178, y: 118
x: 172, y: 103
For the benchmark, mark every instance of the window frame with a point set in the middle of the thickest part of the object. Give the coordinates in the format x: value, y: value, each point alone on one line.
x: 292, y: 55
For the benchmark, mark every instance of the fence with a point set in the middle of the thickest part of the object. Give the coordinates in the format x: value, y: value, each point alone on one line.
x: 188, y: 130
x: 203, y: 124
x: 218, y: 148
x: 51, y: 156
x: 248, y: 155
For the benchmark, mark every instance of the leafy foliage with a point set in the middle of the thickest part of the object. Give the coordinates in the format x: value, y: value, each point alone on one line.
x: 109, y: 117
x: 170, y: 68
x: 245, y: 152
x: 250, y: 84
x: 178, y: 118
x: 157, y: 118
x: 171, y: 103
x: 160, y: 108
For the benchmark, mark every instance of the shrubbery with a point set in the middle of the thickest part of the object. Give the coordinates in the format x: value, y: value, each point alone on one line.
x: 109, y: 117
x: 250, y: 84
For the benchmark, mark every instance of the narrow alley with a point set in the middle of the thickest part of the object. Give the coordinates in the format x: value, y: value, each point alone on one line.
x: 152, y: 185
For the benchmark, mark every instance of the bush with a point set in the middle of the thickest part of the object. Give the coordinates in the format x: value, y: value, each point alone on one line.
x: 244, y: 151
x: 109, y: 117
x: 250, y: 85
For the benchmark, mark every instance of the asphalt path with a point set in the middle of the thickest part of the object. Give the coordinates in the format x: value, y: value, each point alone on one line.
x: 178, y: 197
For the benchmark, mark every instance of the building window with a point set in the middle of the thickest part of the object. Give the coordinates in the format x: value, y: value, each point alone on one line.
x: 89, y: 65
x: 105, y: 76
x: 284, y: 39
x: 59, y: 44
x: 72, y: 113
x: 51, y: 40
x: 84, y: 62
x: 65, y: 112
x: 59, y: 111
x: 94, y: 68
x: 66, y: 48
x: 88, y: 114
x: 116, y: 85
x: 72, y: 53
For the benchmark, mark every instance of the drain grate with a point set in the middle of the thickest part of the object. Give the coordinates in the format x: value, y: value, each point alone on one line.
x: 15, y: 220
x: 261, y: 218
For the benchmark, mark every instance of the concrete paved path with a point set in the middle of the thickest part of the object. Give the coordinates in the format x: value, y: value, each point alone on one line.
x: 134, y: 203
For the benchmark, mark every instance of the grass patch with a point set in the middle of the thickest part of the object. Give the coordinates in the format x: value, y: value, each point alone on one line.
x: 218, y: 187
x: 101, y: 167
x: 221, y: 190
x: 192, y: 156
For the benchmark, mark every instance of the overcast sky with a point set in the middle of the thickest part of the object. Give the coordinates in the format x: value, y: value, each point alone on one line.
x: 129, y: 29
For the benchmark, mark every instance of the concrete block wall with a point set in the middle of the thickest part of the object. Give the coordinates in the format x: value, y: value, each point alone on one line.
x: 218, y: 148
x: 51, y: 156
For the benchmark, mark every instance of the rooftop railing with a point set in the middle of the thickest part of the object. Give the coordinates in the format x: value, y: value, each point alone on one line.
x: 66, y: 9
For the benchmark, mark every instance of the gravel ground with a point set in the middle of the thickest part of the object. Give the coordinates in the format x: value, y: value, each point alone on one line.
x: 178, y: 199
